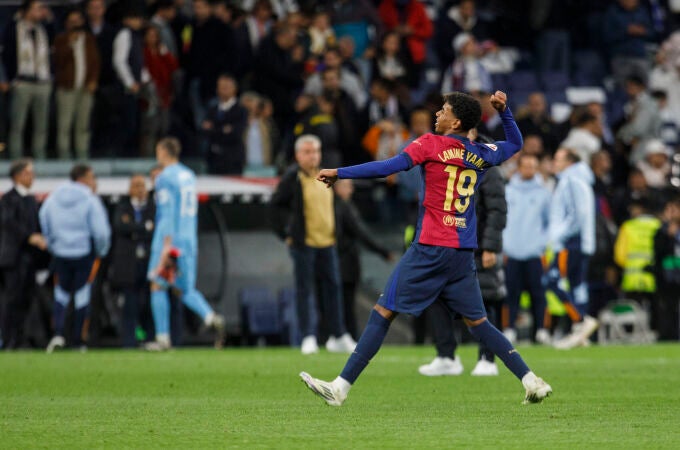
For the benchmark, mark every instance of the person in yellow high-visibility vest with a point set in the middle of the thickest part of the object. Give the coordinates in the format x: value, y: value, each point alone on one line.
x: 634, y: 252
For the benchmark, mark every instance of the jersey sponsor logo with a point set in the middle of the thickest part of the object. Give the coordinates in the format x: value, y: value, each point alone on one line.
x: 493, y: 147
x: 450, y: 221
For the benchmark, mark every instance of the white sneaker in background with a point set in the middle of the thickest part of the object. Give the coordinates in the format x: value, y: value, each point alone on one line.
x: 536, y: 388
x: 347, y: 342
x: 580, y: 334
x: 511, y: 335
x: 543, y: 337
x: 217, y: 324
x: 442, y: 366
x: 57, y: 342
x: 309, y: 345
x: 485, y: 368
x: 342, y: 344
x: 588, y: 327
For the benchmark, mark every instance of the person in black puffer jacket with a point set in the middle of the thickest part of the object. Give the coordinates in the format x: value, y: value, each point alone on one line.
x: 350, y: 231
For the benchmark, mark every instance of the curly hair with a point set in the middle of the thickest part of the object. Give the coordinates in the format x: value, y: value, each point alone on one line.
x: 466, y: 108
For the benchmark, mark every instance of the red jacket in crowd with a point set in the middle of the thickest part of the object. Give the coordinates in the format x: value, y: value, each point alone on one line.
x: 416, y: 18
x: 161, y: 65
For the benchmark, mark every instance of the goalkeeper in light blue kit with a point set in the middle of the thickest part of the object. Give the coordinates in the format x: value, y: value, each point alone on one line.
x: 175, y: 245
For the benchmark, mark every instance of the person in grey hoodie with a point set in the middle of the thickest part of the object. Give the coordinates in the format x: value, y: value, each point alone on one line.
x: 572, y: 232
x: 528, y: 211
x: 76, y: 226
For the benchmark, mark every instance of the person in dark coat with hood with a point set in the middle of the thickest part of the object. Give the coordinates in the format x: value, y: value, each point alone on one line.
x: 350, y: 231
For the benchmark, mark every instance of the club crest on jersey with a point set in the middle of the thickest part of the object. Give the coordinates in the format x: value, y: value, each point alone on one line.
x: 493, y: 147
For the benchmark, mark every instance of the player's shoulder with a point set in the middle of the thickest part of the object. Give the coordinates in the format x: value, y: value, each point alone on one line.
x: 481, y: 146
x: 185, y: 173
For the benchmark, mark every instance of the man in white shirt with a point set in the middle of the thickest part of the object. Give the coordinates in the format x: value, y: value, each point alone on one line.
x: 128, y: 63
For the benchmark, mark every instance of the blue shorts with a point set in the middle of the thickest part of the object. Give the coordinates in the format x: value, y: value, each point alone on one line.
x: 73, y: 273
x: 427, y: 273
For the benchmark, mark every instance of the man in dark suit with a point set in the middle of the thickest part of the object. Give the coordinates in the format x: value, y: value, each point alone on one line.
x: 133, y: 225
x: 106, y: 96
x: 20, y: 241
x: 224, y: 127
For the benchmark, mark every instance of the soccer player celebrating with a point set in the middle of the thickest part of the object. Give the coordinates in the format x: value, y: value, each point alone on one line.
x: 175, y: 245
x: 440, y: 262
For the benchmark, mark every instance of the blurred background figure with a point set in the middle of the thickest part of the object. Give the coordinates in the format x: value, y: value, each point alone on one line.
x: 77, y: 66
x: 350, y: 232
x: 133, y: 225
x: 634, y: 253
x: 20, y: 245
x: 571, y: 230
x: 26, y: 58
x: 667, y: 271
x: 528, y: 213
x: 224, y: 127
x: 128, y: 64
x: 304, y: 218
x: 158, y: 92
x: 76, y: 226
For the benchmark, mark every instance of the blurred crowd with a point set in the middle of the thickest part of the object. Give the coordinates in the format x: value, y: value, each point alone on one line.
x: 239, y: 81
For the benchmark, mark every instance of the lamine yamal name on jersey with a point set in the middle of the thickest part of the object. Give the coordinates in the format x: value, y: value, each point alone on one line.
x: 460, y: 153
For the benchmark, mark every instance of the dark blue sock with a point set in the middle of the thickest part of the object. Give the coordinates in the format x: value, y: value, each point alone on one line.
x: 58, y: 313
x: 489, y: 335
x: 368, y: 345
x: 80, y: 327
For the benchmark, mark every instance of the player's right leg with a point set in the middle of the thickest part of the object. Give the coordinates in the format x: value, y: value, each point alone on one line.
x: 160, y: 309
x: 194, y: 299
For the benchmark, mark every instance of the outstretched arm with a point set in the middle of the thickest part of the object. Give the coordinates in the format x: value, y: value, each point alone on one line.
x: 373, y: 169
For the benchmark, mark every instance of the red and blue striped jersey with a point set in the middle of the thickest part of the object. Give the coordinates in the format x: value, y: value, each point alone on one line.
x: 451, y: 167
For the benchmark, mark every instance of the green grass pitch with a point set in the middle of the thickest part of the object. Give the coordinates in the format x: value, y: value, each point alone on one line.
x: 604, y: 397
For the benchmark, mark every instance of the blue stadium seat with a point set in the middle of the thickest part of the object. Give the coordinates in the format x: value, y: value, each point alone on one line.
x: 553, y: 48
x: 555, y: 81
x: 291, y: 331
x: 523, y: 80
x: 518, y: 98
x: 588, y: 68
x: 556, y: 97
x: 260, y: 311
